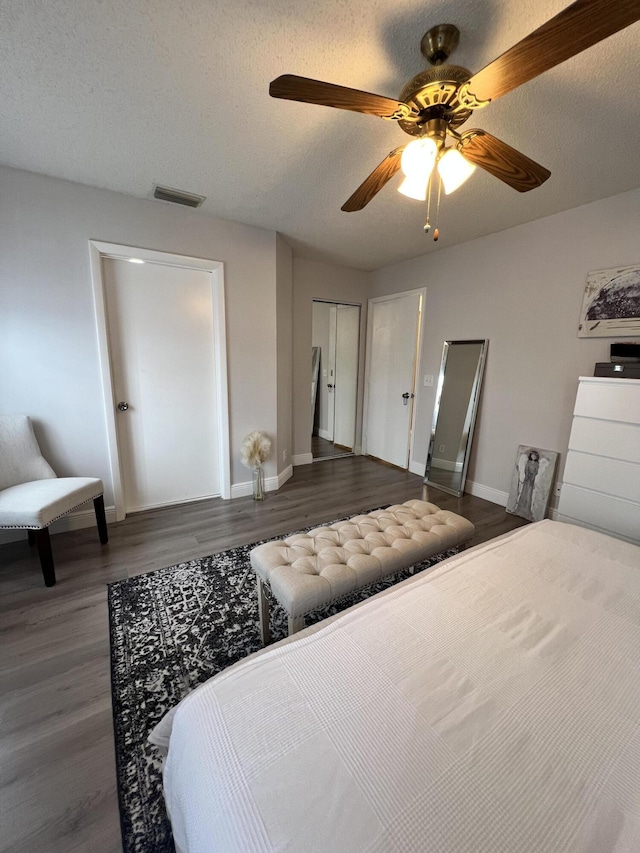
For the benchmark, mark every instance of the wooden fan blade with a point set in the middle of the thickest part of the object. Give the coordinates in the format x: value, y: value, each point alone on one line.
x: 502, y: 161
x: 376, y: 180
x: 579, y: 26
x: 294, y: 88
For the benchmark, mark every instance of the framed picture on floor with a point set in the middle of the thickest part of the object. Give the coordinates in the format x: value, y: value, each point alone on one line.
x: 531, y: 482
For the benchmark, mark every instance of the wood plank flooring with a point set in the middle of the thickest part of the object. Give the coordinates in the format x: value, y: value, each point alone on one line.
x: 57, y: 769
x: 323, y: 449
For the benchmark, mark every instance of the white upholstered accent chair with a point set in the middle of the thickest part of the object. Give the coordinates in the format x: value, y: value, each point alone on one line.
x: 32, y: 496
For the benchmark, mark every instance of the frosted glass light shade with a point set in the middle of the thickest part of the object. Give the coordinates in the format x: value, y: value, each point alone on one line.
x: 418, y: 158
x: 454, y: 170
x: 414, y: 187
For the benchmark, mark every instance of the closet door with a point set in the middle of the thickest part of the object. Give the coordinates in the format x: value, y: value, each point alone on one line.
x: 392, y: 344
x: 346, y: 378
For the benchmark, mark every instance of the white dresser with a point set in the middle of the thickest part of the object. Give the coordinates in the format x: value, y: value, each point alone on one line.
x: 601, y: 485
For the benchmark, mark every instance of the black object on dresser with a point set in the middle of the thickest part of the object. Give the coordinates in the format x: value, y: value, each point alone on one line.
x: 617, y: 371
x: 625, y: 352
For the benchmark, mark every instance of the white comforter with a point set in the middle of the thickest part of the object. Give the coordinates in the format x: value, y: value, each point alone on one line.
x: 492, y: 704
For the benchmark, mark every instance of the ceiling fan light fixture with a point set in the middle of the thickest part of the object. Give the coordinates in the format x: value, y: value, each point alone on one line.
x: 415, y: 187
x: 418, y: 158
x: 454, y: 170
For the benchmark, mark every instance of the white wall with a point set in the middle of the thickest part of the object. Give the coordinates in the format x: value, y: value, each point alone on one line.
x: 316, y: 280
x: 522, y: 289
x: 48, y: 345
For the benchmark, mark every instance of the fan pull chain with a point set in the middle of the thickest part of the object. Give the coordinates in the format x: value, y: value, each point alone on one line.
x: 436, y: 230
x: 427, y: 224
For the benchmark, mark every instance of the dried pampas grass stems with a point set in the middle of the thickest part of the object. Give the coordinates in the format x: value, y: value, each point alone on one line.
x: 255, y: 449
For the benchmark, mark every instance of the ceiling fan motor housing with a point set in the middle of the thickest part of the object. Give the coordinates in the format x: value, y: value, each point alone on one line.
x: 430, y: 92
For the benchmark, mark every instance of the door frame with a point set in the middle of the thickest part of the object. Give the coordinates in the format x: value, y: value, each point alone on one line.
x: 99, y: 250
x: 422, y: 293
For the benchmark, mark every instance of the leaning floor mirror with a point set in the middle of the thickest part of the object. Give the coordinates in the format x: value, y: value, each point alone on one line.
x: 454, y: 415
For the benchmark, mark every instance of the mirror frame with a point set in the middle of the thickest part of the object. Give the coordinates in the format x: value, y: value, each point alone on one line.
x: 475, y: 399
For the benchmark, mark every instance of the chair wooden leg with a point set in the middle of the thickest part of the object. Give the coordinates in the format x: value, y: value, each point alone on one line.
x: 31, y: 536
x: 43, y: 542
x: 101, y: 519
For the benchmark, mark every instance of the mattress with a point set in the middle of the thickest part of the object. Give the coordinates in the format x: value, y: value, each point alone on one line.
x: 491, y: 704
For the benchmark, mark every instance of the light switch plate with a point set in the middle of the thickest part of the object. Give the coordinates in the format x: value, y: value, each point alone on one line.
x: 428, y: 381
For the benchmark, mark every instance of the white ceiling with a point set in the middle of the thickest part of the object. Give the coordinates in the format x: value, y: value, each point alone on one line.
x: 123, y: 94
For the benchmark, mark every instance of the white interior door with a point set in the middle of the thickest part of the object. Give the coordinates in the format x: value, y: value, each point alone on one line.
x: 330, y: 380
x: 391, y: 357
x: 161, y: 335
x: 346, y: 374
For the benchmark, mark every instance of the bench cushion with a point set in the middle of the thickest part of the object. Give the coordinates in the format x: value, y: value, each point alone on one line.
x: 36, y: 504
x: 310, y: 570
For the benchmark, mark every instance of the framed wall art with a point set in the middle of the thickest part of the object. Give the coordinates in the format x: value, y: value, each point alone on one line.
x: 611, y: 304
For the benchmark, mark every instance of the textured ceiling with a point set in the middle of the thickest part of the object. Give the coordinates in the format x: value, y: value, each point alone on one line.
x: 123, y: 94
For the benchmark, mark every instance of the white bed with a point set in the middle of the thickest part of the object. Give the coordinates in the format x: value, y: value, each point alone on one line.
x: 492, y: 704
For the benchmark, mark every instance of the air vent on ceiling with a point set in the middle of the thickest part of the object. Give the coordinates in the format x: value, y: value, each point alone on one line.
x: 178, y: 196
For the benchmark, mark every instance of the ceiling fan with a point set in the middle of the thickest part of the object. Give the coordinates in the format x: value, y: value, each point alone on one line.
x: 436, y: 102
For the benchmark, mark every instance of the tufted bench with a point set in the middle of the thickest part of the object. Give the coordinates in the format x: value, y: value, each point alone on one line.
x: 309, y: 570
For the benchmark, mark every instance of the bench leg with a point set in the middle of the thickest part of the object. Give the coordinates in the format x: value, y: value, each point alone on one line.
x: 295, y: 624
x: 263, y: 612
x: 43, y: 542
x: 31, y: 536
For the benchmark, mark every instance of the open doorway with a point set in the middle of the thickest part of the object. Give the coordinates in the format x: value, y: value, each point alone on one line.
x: 335, y: 342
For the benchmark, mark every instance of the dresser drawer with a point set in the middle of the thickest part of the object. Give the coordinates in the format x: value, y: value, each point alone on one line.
x: 617, y: 400
x: 617, y: 477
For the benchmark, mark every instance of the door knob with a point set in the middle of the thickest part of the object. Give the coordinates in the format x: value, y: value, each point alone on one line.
x: 406, y: 397
x: 122, y: 407
x: 330, y: 387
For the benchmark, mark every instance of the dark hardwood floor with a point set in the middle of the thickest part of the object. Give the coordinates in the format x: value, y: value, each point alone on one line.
x: 57, y: 771
x: 323, y: 449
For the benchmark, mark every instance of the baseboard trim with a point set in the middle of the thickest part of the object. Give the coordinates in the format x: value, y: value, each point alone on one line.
x: 73, y: 521
x: 486, y: 492
x: 271, y: 484
x: 501, y: 498
x: 302, y: 459
x: 416, y: 468
x: 478, y: 490
x: 446, y: 465
x: 285, y: 475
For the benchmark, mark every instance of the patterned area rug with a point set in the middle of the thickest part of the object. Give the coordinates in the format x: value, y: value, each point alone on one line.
x: 170, y: 631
